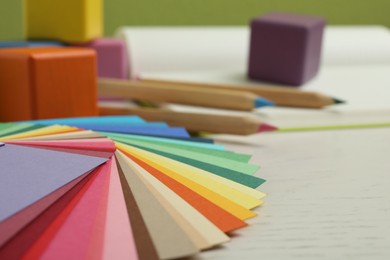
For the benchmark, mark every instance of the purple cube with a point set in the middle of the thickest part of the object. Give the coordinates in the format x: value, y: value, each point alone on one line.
x: 111, y: 57
x: 285, y: 48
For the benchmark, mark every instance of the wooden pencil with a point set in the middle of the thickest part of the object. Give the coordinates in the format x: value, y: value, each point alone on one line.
x: 282, y: 96
x: 196, y: 122
x: 216, y: 98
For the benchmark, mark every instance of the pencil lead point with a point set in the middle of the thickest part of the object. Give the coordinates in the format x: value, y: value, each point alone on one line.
x: 262, y: 102
x: 266, y: 128
x: 338, y: 101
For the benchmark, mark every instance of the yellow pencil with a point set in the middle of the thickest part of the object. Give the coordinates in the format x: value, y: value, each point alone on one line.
x: 216, y: 98
x: 282, y: 96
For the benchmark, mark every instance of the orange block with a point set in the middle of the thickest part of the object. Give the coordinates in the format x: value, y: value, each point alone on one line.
x: 39, y: 83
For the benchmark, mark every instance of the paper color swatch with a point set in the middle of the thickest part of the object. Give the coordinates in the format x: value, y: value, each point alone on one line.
x: 118, y: 188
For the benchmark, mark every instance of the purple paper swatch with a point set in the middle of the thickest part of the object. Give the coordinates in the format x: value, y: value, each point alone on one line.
x: 28, y: 174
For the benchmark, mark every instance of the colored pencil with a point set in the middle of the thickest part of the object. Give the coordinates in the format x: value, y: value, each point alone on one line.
x: 195, y: 122
x: 281, y: 95
x: 216, y: 98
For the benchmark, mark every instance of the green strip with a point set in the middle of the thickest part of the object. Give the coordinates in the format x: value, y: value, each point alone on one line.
x: 206, y: 158
x: 29, y: 128
x: 218, y: 153
x: 165, y: 140
x: 15, y: 128
x: 4, y: 126
x: 332, y: 127
x: 223, y: 154
x: 21, y: 128
x: 242, y: 178
x: 190, y: 146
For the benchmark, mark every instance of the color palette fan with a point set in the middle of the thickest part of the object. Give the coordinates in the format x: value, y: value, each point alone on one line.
x: 118, y: 188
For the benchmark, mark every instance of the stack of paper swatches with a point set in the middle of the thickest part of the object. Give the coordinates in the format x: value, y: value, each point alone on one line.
x: 118, y: 188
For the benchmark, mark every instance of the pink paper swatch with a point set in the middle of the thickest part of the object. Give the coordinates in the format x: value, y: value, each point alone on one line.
x: 118, y: 241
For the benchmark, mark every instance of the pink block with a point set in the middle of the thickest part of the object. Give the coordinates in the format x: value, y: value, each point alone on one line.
x: 111, y: 56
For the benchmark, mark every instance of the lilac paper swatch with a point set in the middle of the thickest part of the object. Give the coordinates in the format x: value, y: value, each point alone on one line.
x: 29, y: 174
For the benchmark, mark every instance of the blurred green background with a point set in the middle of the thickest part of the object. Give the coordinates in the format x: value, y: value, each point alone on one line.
x: 210, y: 12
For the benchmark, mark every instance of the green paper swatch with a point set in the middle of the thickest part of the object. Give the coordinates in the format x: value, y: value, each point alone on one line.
x: 18, y: 128
x: 199, y: 156
x: 210, y: 149
x: 242, y: 178
x: 4, y: 126
x: 164, y: 140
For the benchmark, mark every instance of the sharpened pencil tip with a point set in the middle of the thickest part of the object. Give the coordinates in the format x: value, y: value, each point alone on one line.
x: 262, y: 102
x: 338, y: 101
x: 266, y: 128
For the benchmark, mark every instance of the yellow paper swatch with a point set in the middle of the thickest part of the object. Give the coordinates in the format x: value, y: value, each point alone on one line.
x: 193, y: 174
x: 40, y: 132
x: 210, y: 194
x: 82, y: 134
